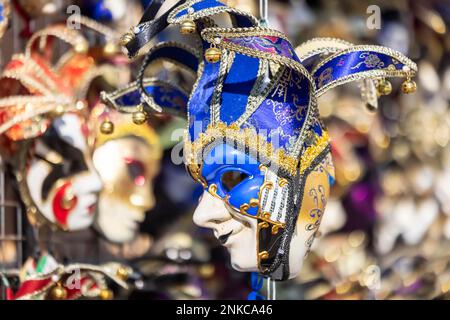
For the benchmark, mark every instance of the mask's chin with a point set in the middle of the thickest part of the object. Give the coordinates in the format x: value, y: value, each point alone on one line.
x: 118, y: 221
x: 242, y: 246
x: 243, y: 249
x: 79, y: 222
x: 242, y: 262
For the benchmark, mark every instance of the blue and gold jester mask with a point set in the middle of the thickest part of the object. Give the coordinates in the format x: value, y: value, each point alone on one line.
x: 254, y: 136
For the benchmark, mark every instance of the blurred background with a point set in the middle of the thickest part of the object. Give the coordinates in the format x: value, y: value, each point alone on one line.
x: 386, y: 230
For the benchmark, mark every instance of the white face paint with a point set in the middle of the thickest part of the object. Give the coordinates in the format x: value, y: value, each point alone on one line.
x: 65, y: 185
x: 127, y: 167
x: 212, y: 213
x: 242, y: 241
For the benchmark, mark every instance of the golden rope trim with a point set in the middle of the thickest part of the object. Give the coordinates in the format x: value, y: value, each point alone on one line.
x: 93, y: 273
x: 313, y: 151
x: 317, y: 46
x: 59, y: 31
x: 379, y: 49
x: 203, y: 13
x: 227, y: 59
x: 109, y: 33
x: 371, y: 74
x: 22, y: 100
x: 212, y: 33
x: 87, y: 79
x: 254, y: 141
x: 34, y: 113
x: 109, y: 98
x: 32, y: 75
x: 27, y: 81
x: 127, y: 129
x: 179, y: 45
x: 257, y: 96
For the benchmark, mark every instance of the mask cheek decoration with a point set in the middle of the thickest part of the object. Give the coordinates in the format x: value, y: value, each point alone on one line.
x: 64, y: 202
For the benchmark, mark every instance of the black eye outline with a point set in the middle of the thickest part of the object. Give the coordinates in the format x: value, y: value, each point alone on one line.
x: 232, y: 178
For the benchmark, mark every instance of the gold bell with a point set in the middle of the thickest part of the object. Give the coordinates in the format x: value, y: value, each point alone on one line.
x: 212, y: 55
x: 125, y: 38
x: 110, y: 49
x: 107, y: 127
x: 58, y: 292
x: 409, y: 86
x: 122, y: 273
x: 139, y: 116
x: 81, y: 47
x: 188, y: 27
x: 384, y: 88
x: 106, y: 294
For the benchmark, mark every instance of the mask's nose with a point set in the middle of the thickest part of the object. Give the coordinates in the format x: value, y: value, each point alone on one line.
x: 210, y: 212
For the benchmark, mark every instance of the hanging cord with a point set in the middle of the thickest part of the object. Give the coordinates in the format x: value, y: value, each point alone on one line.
x: 274, y: 290
x: 264, y: 12
x: 271, y: 287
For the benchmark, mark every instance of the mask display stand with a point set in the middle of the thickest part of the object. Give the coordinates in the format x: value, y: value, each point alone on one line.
x: 271, y: 286
x: 10, y: 226
x: 263, y: 12
x: 11, y: 238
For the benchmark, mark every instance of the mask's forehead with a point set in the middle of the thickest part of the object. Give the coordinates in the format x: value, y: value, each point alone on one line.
x: 69, y: 128
x: 63, y: 149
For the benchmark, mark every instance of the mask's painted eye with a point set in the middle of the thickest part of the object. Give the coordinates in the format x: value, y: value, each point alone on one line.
x: 232, y: 178
x: 136, y: 170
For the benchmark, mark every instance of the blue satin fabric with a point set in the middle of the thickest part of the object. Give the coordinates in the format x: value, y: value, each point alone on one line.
x: 353, y: 63
x: 224, y: 158
x: 237, y: 87
x: 97, y: 11
x: 201, y: 5
x: 199, y: 104
x: 177, y: 54
x: 281, y: 116
x: 241, y: 21
x: 164, y: 95
x: 311, y: 62
x: 257, y: 282
x: 267, y: 44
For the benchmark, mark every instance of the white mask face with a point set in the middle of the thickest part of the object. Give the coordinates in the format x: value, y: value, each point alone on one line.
x: 61, y: 179
x: 238, y: 233
x: 127, y: 167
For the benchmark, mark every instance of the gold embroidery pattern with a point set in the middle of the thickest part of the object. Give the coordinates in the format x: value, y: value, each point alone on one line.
x: 172, y: 19
x: 109, y: 98
x: 251, y: 139
x: 370, y: 61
